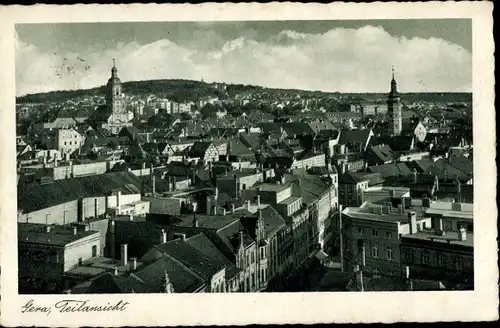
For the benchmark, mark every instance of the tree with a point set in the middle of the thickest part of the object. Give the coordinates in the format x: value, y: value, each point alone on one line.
x: 208, y: 111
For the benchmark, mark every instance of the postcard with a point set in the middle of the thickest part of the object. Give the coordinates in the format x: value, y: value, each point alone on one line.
x: 261, y: 163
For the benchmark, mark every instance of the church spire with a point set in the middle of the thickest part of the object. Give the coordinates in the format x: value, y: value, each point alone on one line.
x: 114, y: 71
x: 394, y: 85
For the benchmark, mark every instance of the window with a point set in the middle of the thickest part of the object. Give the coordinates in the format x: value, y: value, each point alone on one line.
x: 388, y: 235
x: 253, y: 257
x: 94, y: 251
x: 448, y: 225
x: 375, y: 251
x: 374, y: 233
x: 262, y: 253
x: 361, y: 231
x: 425, y: 258
x: 409, y: 256
x: 65, y: 143
x: 440, y: 260
x: 390, y: 253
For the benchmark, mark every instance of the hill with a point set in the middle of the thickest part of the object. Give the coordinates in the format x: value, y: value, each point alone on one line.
x: 188, y: 90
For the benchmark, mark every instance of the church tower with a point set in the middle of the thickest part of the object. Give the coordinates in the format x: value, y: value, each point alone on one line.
x: 114, y: 97
x: 394, y: 108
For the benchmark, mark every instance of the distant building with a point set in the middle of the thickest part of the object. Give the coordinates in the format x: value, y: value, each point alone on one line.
x: 114, y: 115
x: 394, y: 108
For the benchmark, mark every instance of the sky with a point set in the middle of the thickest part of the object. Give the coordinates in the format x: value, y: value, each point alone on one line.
x: 332, y: 56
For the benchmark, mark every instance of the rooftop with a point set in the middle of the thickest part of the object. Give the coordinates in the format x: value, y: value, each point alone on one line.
x: 448, y: 238
x: 369, y: 211
x: 452, y: 210
x: 271, y: 187
x: 57, y: 236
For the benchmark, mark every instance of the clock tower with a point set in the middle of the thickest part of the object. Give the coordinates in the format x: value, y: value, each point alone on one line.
x: 115, y: 101
x: 394, y: 107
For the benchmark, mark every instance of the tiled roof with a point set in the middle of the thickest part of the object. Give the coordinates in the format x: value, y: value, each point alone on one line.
x: 34, y: 197
x: 390, y: 170
x: 114, y: 284
x: 354, y: 136
x: 199, y: 148
x: 379, y: 154
x: 201, y: 264
x: 182, y: 279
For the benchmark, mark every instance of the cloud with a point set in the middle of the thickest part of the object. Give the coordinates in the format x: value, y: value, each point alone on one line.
x: 344, y: 60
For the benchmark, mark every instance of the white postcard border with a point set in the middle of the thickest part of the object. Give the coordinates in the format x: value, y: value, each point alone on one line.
x: 234, y: 309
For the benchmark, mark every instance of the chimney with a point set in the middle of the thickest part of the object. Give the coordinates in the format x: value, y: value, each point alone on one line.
x: 242, y: 241
x: 224, y: 212
x: 96, y: 208
x: 239, y: 168
x: 415, y: 175
x: 426, y: 202
x: 258, y: 200
x: 55, y: 161
x: 216, y: 195
x: 153, y: 184
x: 412, y: 220
x: 215, y: 211
x: 439, y: 227
x: 118, y: 199
x: 116, y: 271
x: 47, y: 229
x: 131, y: 217
x: 133, y: 264
x: 163, y: 236
x: 247, y: 205
x: 123, y: 255
x: 462, y: 234
x: 232, y: 208
x: 407, y: 272
x: 75, y: 231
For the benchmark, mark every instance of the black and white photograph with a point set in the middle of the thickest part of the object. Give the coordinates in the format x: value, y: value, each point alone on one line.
x: 244, y: 156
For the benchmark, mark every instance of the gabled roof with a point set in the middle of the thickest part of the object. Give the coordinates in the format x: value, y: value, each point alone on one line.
x: 182, y: 279
x: 199, y: 148
x: 202, y: 265
x: 373, y: 178
x: 348, y: 178
x: 463, y: 163
x: 203, y: 244
x: 379, y: 154
x: 354, y: 136
x: 401, y: 143
x: 390, y: 170
x: 114, y: 284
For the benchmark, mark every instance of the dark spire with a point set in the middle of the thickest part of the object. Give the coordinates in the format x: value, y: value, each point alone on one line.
x: 394, y: 85
x: 114, y: 70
